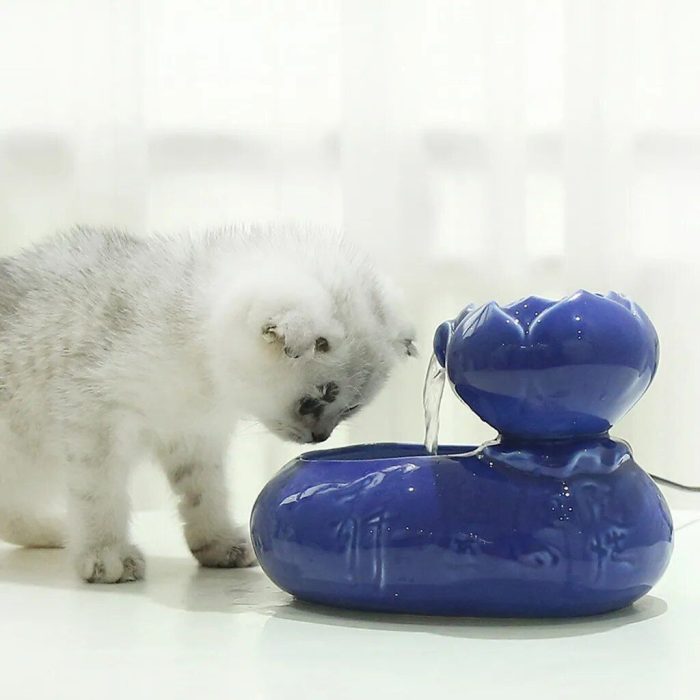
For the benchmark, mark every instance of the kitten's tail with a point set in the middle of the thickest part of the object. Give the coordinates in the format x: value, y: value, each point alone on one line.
x: 29, y: 530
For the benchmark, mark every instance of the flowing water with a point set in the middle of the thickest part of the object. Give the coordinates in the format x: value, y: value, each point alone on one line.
x: 432, y: 395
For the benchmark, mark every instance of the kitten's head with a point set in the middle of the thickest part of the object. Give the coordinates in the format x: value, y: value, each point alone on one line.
x: 330, y: 381
x: 320, y: 341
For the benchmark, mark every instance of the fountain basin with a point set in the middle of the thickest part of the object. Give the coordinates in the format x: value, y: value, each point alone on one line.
x: 516, y: 529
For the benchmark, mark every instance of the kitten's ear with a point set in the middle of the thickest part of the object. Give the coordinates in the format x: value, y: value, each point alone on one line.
x: 389, y: 306
x: 410, y: 347
x: 406, y: 346
x: 298, y: 334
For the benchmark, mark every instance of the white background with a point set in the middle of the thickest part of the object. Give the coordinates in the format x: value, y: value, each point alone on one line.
x: 482, y: 150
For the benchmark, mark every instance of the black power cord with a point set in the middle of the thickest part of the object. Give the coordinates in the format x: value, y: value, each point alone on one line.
x: 675, y: 484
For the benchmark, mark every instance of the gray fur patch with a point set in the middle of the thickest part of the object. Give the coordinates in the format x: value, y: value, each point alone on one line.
x: 10, y: 294
x: 182, y: 472
x: 202, y: 548
x: 193, y: 500
x: 118, y: 313
x: 330, y: 392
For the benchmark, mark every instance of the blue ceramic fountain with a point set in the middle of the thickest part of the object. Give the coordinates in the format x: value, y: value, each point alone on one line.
x: 554, y: 518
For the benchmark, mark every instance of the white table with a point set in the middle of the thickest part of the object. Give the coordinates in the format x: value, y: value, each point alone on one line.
x: 189, y: 632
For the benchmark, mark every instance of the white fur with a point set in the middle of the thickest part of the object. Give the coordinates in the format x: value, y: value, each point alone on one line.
x: 114, y: 348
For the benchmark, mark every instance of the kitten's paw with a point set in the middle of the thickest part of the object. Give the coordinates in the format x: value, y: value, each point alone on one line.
x: 111, y: 564
x: 225, y: 552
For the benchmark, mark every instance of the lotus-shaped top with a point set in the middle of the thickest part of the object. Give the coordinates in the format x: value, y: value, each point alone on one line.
x: 550, y: 369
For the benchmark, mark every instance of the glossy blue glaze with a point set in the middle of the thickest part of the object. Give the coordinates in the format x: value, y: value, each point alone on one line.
x: 386, y: 527
x: 541, y: 368
x: 552, y: 519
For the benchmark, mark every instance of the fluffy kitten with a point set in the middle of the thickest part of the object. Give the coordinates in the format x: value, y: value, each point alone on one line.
x: 114, y: 348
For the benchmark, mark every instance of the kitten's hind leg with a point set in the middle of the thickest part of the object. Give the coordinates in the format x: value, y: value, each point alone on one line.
x: 98, y: 508
x: 29, y: 514
x: 197, y: 477
x: 25, y: 529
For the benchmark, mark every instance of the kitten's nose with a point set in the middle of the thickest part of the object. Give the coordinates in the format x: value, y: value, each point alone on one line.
x: 319, y: 437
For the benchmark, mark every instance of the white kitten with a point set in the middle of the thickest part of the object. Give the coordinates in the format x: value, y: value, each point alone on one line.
x: 113, y: 348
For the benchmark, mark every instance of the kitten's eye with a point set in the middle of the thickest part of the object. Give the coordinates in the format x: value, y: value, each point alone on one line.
x: 310, y: 405
x: 351, y: 409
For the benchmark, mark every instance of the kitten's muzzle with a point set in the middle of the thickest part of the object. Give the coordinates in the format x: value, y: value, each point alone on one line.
x: 320, y: 436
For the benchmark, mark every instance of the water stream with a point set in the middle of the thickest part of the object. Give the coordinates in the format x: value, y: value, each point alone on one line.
x: 432, y: 395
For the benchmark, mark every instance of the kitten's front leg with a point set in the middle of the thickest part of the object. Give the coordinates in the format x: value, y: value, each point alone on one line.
x: 197, y: 477
x: 98, y: 510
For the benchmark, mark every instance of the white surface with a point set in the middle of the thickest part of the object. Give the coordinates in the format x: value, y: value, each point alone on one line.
x: 188, y: 632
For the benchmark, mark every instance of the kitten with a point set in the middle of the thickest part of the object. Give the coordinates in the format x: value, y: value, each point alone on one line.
x: 114, y: 348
